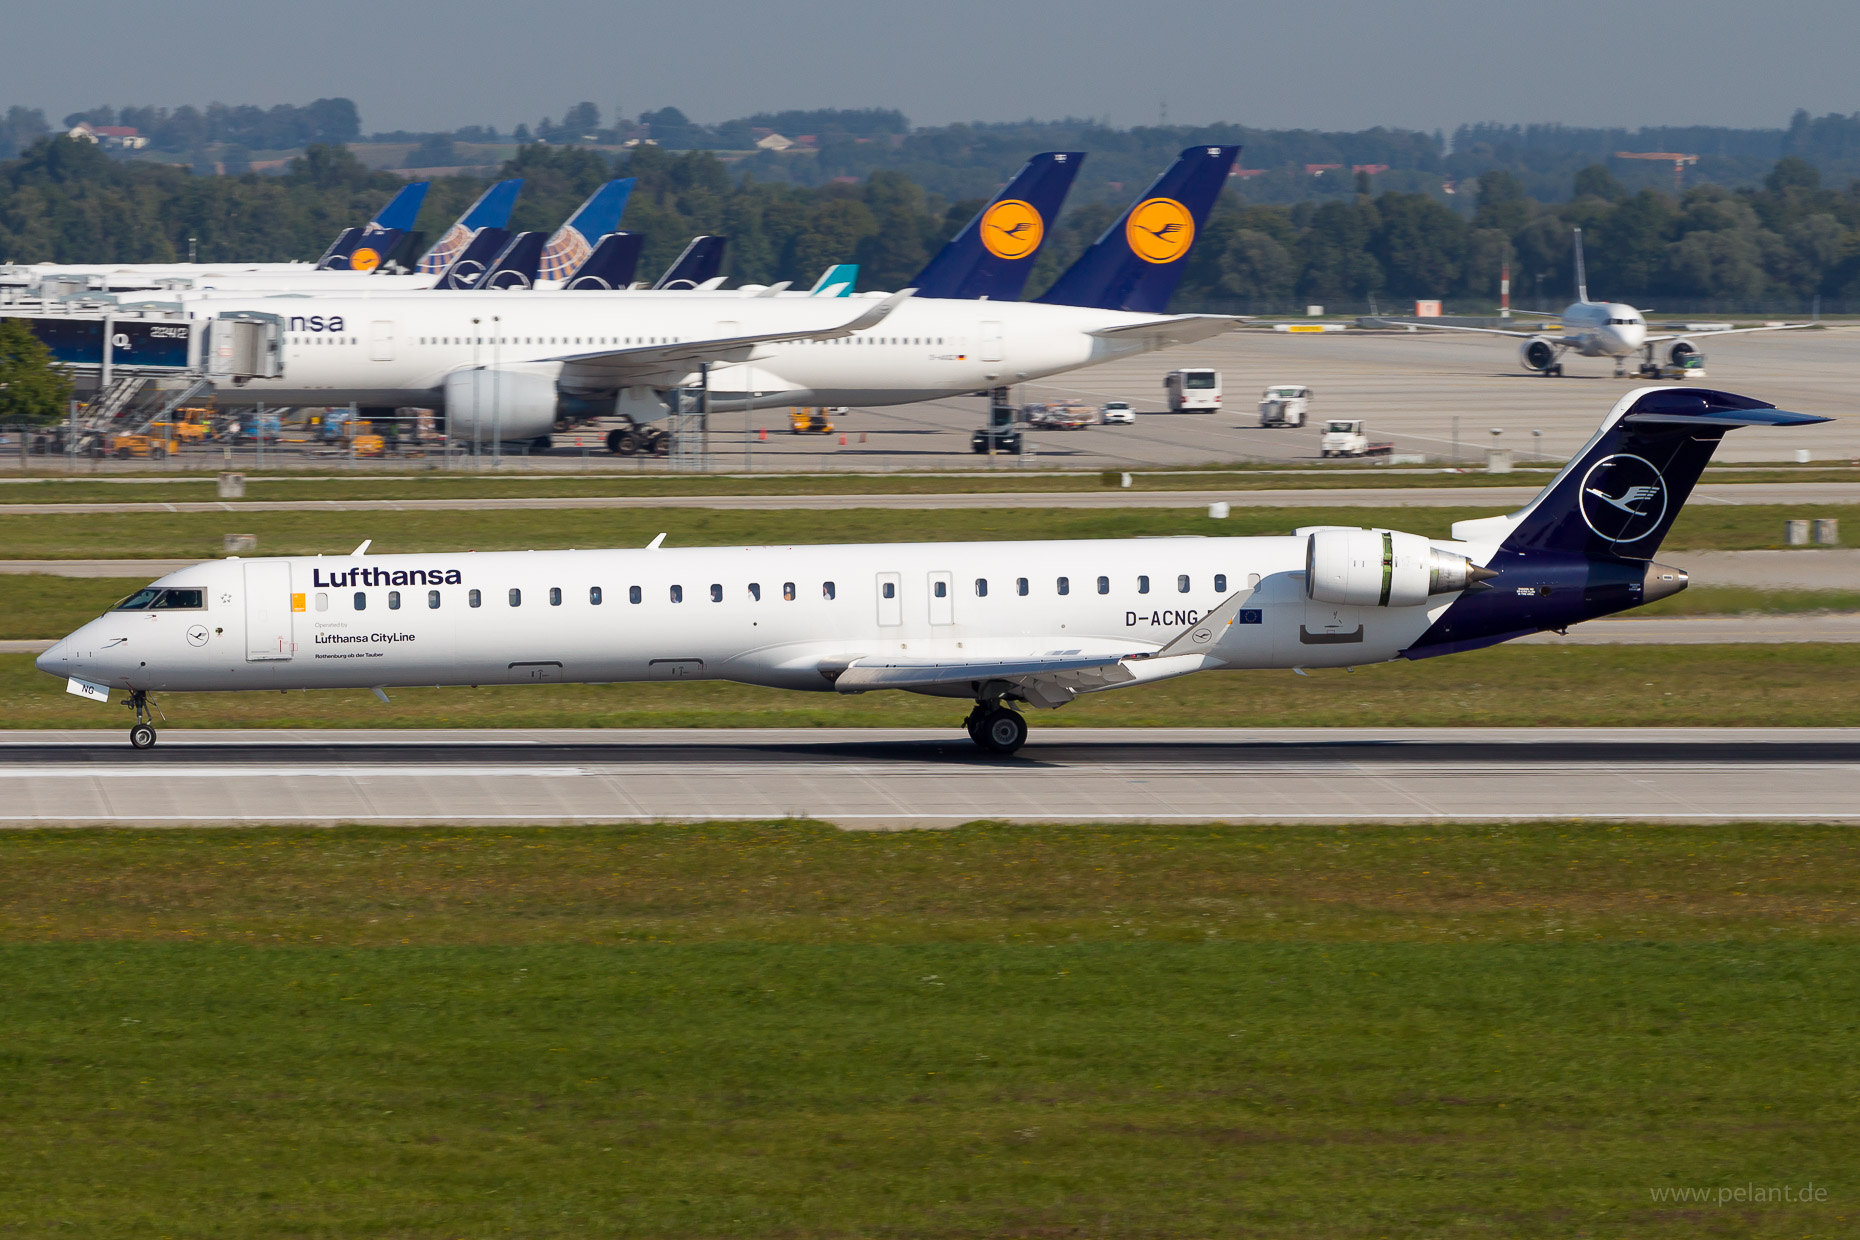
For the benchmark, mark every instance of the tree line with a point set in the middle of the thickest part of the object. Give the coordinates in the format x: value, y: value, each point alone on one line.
x: 1778, y: 245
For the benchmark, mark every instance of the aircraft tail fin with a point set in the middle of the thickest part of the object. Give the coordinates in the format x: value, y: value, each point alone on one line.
x: 473, y: 258
x: 389, y: 225
x: 402, y: 209
x: 492, y: 210
x: 594, y: 219
x: 1582, y: 276
x: 516, y: 264
x: 610, y: 266
x: 1137, y: 263
x: 701, y: 261
x: 994, y: 253
x: 836, y: 281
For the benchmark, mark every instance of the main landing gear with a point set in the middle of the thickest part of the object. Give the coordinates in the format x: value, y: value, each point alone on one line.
x: 996, y: 728
x: 142, y: 735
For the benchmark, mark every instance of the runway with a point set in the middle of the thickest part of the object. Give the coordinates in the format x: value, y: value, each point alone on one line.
x: 912, y: 778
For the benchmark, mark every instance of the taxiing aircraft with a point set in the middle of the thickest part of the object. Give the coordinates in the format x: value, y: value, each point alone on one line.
x: 1000, y: 624
x: 1610, y: 329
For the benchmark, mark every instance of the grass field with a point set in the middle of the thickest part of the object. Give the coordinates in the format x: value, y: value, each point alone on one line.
x: 200, y: 535
x: 779, y: 1030
x: 1796, y: 685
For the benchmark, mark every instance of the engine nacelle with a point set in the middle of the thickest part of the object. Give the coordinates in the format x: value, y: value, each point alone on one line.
x: 512, y: 406
x: 1679, y: 351
x: 1537, y: 354
x: 1382, y: 568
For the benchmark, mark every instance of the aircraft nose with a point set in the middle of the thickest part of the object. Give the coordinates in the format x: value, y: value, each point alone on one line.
x: 53, y: 659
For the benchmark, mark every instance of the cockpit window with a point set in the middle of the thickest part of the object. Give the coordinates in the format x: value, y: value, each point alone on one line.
x: 151, y: 599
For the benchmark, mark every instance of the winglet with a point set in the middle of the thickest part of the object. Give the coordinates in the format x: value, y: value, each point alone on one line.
x: 876, y: 315
x: 654, y: 544
x: 363, y: 549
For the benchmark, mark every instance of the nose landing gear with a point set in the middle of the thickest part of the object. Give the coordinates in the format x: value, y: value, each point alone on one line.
x: 996, y: 728
x: 142, y: 734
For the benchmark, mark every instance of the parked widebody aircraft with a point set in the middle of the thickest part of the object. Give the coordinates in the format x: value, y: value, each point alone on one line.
x: 1610, y: 329
x: 389, y: 225
x: 1000, y: 625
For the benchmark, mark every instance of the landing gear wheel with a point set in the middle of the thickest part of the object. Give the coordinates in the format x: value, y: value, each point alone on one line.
x: 999, y: 731
x: 142, y: 736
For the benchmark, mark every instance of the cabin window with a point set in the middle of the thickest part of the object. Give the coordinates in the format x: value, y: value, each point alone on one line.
x: 516, y: 597
x: 474, y: 598
x: 827, y: 590
x: 594, y: 596
x: 1020, y: 586
x: 361, y: 601
x: 678, y: 594
x: 1220, y: 583
x: 940, y: 589
x: 1181, y: 584
x: 1104, y: 585
x: 1065, y: 585
x: 322, y: 602
x: 889, y: 589
x: 393, y: 600
x: 981, y: 587
x: 555, y: 596
x: 787, y: 591
x: 755, y: 591
x: 432, y: 599
x: 716, y: 592
x: 633, y: 594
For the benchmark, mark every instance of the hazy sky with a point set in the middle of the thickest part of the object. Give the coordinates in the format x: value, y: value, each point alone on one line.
x: 1331, y: 64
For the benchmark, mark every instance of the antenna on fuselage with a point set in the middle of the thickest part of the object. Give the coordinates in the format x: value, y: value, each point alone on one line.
x: 1582, y: 277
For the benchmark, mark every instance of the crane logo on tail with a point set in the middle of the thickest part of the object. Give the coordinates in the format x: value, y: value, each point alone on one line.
x: 365, y: 258
x: 1623, y: 498
x: 1160, y: 230
x: 1012, y: 229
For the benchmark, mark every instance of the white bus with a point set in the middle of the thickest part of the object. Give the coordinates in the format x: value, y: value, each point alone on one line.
x: 1193, y: 391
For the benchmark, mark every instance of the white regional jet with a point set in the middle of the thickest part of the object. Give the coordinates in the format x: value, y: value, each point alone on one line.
x: 998, y: 624
x: 1610, y: 329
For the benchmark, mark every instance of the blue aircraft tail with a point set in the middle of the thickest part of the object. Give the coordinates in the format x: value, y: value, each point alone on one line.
x: 993, y: 254
x: 381, y: 233
x: 492, y: 210
x: 516, y: 265
x: 612, y: 265
x: 474, y: 259
x: 1584, y: 547
x: 574, y: 241
x: 701, y: 261
x: 1137, y: 263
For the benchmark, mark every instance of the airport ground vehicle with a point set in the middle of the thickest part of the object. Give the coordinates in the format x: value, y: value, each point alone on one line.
x: 1193, y: 391
x: 989, y: 623
x: 809, y: 420
x: 632, y: 438
x: 1346, y: 437
x: 1006, y: 440
x: 153, y: 445
x: 1117, y: 413
x: 1285, y: 404
x: 1060, y: 415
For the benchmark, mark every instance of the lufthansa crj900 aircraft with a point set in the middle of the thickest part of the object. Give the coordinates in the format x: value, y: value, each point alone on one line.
x: 997, y: 624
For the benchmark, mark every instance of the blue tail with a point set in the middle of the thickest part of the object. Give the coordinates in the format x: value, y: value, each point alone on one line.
x: 359, y: 249
x: 701, y: 261
x: 1584, y: 547
x: 492, y: 210
x: 1138, y: 262
x: 402, y: 209
x: 390, y: 224
x: 836, y: 281
x: 574, y: 241
x: 993, y: 254
x: 474, y: 259
x: 611, y: 266
x: 516, y: 265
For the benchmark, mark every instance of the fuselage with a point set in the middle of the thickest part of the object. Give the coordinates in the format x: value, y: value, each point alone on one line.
x: 776, y: 616
x: 1604, y: 328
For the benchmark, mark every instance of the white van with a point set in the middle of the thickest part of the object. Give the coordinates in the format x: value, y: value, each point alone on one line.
x: 1193, y: 391
x: 1285, y: 404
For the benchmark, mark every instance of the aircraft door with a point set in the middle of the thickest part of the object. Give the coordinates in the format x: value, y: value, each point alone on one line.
x: 890, y: 600
x: 270, y: 611
x: 381, y: 340
x: 991, y: 342
x: 942, y: 598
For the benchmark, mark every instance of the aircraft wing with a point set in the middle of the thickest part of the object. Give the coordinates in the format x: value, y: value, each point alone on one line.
x: 644, y: 363
x: 1448, y: 327
x: 1176, y: 329
x: 1731, y: 331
